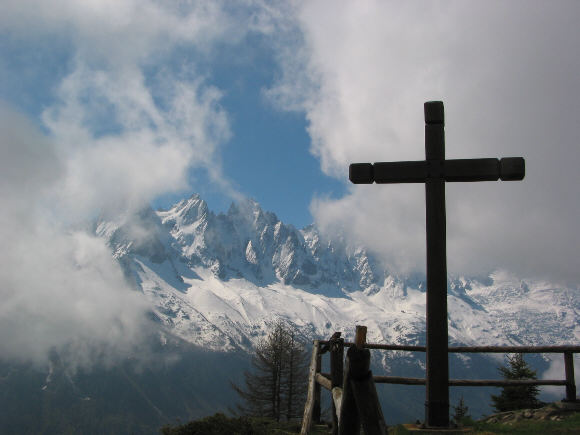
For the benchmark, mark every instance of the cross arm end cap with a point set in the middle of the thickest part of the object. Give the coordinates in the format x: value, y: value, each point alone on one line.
x: 512, y: 168
x: 434, y: 112
x: 361, y: 173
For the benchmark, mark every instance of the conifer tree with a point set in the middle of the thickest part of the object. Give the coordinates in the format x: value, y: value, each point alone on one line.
x: 460, y: 411
x: 517, y: 397
x: 276, y: 386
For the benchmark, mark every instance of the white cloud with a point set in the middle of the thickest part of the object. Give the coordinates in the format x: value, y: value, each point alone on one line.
x: 131, y: 114
x: 59, y: 289
x: 120, y: 31
x: 556, y: 372
x: 507, y: 73
x: 128, y: 121
x: 150, y: 148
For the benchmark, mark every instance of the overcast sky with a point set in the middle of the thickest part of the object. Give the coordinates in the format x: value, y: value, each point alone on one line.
x: 109, y: 105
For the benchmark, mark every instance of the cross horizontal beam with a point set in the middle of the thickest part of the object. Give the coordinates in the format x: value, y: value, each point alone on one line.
x: 506, y: 169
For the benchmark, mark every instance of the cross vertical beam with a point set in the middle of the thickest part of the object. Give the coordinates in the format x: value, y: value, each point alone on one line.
x: 437, y: 372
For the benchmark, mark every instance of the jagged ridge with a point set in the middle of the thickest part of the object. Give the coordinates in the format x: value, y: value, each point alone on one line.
x: 218, y: 280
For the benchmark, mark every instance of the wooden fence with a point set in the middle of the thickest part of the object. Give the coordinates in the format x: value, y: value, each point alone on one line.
x: 334, y: 381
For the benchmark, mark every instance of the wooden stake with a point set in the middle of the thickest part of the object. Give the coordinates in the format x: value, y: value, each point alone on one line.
x: 309, y: 406
x: 360, y: 337
x: 570, y: 382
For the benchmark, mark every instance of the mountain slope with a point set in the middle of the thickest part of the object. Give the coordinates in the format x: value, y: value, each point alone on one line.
x: 219, y: 281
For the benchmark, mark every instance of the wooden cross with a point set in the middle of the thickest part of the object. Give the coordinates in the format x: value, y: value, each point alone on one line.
x: 434, y: 171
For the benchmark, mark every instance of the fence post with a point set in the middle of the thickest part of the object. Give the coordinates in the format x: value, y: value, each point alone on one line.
x: 336, y: 372
x: 570, y: 381
x: 362, y: 384
x: 349, y: 418
x: 316, y: 411
x: 360, y: 358
x: 309, y: 406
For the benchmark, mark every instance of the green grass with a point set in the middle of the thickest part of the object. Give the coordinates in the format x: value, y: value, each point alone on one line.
x: 219, y: 424
x: 569, y: 425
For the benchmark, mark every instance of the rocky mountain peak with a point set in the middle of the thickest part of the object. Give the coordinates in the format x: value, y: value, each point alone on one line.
x: 187, y: 211
x: 233, y: 269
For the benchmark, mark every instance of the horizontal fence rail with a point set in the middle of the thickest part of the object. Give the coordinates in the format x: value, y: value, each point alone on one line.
x: 566, y: 350
x: 326, y: 380
x: 470, y: 349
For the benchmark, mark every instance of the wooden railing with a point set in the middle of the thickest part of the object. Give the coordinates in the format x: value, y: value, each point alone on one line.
x: 336, y: 346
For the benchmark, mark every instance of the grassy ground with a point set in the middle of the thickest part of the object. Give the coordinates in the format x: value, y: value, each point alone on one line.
x: 219, y: 424
x: 569, y: 425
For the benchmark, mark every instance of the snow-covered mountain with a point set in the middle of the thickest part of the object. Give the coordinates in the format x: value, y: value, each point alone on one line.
x: 219, y: 280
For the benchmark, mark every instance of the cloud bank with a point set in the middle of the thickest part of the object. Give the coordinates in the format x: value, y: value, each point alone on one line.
x: 60, y: 288
x: 507, y: 73
x: 127, y: 121
x: 556, y: 370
